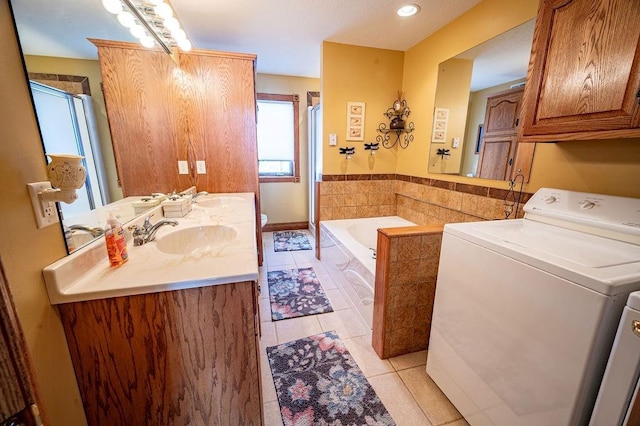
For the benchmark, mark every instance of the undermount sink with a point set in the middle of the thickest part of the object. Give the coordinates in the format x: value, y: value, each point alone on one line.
x: 221, y: 202
x: 199, y: 239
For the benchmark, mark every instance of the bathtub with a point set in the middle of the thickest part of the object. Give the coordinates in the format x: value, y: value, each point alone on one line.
x: 348, y: 249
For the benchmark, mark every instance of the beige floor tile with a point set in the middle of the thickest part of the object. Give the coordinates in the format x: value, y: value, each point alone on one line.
x: 398, y: 400
x: 411, y: 360
x: 265, y: 310
x: 346, y: 323
x: 326, y: 281
x: 306, y: 257
x: 461, y: 422
x: 337, y: 298
x: 268, y: 337
x: 297, y: 328
x: 366, y: 358
x: 272, y: 414
x: 268, y: 388
x: 278, y: 258
x: 430, y: 398
x: 280, y: 267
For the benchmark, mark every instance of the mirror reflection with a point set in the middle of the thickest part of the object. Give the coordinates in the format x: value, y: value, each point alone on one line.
x: 461, y: 142
x: 65, y: 80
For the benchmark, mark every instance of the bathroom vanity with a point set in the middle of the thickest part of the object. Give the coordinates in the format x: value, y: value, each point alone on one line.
x: 172, y: 335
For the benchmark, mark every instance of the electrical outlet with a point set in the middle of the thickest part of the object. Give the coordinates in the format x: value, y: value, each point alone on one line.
x: 45, y: 212
x: 183, y: 168
x: 201, y: 167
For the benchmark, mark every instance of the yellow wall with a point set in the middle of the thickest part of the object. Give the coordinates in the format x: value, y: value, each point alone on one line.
x: 90, y: 69
x: 287, y: 202
x: 358, y: 74
x: 454, y: 80
x: 24, y: 249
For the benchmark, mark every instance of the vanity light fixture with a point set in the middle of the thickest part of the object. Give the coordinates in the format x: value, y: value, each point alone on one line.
x: 348, y: 152
x: 372, y: 147
x: 408, y: 10
x: 150, y: 21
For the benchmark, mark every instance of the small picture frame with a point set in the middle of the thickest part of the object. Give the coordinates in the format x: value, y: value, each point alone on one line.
x: 355, y: 121
x: 440, y: 123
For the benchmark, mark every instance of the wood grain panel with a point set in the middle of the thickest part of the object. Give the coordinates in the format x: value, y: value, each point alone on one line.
x: 18, y: 392
x: 144, y: 100
x: 503, y: 110
x: 494, y: 157
x: 584, y: 71
x: 380, y: 295
x: 179, y: 357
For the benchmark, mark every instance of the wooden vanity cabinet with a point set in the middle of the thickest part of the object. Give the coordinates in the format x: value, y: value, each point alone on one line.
x: 176, y: 357
x: 501, y: 156
x: 584, y: 74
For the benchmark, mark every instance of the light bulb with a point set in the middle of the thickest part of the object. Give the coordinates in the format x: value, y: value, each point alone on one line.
x: 112, y: 6
x: 164, y: 10
x: 408, y: 10
x: 137, y: 31
x: 126, y: 19
x: 147, y: 41
x: 179, y: 35
x: 184, y: 45
x: 171, y: 23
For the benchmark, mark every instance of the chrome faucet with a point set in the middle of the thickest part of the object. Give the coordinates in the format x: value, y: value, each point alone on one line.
x: 96, y: 232
x: 194, y: 196
x: 147, y: 232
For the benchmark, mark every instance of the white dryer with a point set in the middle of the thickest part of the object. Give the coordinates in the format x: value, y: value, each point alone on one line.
x: 526, y: 310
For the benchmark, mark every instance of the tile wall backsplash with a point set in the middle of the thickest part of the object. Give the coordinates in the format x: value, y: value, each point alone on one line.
x: 421, y: 200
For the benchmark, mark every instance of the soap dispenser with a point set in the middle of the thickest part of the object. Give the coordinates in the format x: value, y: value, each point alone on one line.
x: 116, y: 242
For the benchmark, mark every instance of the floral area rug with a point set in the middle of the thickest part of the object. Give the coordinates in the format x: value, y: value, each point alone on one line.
x: 296, y: 293
x: 290, y: 241
x: 319, y: 383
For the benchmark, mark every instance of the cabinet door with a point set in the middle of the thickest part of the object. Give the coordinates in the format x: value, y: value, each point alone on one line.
x: 222, y: 121
x: 496, y: 157
x: 503, y: 111
x: 143, y: 101
x: 584, y: 74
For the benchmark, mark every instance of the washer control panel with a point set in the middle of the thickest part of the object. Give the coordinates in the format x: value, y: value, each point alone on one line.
x: 619, y: 214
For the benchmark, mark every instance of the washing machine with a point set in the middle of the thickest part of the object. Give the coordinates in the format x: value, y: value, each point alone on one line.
x: 618, y: 402
x: 526, y: 310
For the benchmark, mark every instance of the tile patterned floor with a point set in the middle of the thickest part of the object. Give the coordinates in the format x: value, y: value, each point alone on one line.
x: 402, y: 384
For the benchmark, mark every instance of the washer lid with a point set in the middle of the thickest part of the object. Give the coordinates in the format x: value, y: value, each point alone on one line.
x: 601, y: 264
x: 634, y: 300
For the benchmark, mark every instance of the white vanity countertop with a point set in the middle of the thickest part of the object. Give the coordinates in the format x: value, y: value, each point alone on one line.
x: 86, y: 274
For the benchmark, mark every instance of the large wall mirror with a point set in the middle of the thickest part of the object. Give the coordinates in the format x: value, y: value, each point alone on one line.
x: 466, y: 140
x: 65, y: 81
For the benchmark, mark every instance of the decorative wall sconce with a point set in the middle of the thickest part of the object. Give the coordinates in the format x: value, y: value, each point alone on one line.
x: 150, y: 21
x: 397, y: 113
x: 348, y: 152
x: 372, y: 147
x: 443, y: 153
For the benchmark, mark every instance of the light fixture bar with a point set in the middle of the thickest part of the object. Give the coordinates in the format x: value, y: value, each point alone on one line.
x: 146, y: 24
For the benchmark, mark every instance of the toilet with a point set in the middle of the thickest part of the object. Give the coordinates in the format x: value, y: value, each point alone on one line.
x: 263, y: 219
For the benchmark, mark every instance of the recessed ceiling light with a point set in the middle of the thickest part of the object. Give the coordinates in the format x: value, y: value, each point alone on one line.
x: 408, y: 10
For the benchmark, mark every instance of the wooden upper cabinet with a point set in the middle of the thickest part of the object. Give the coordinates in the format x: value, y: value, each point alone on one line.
x: 222, y: 120
x: 145, y: 110
x: 584, y: 74
x: 503, y: 112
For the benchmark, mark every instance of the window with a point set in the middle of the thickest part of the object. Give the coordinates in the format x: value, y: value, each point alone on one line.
x: 278, y: 149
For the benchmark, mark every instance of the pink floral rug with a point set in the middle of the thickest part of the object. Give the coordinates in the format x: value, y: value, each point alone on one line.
x: 296, y: 293
x: 290, y: 241
x: 319, y: 383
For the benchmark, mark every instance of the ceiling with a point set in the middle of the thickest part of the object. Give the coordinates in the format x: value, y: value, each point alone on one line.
x: 286, y: 35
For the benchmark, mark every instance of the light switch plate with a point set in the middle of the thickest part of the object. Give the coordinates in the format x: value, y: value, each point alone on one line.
x: 333, y: 139
x: 201, y: 167
x: 183, y: 168
x: 45, y: 212
x: 456, y: 143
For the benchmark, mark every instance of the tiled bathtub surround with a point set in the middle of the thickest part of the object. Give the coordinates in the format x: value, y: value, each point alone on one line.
x: 420, y: 200
x: 405, y: 285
